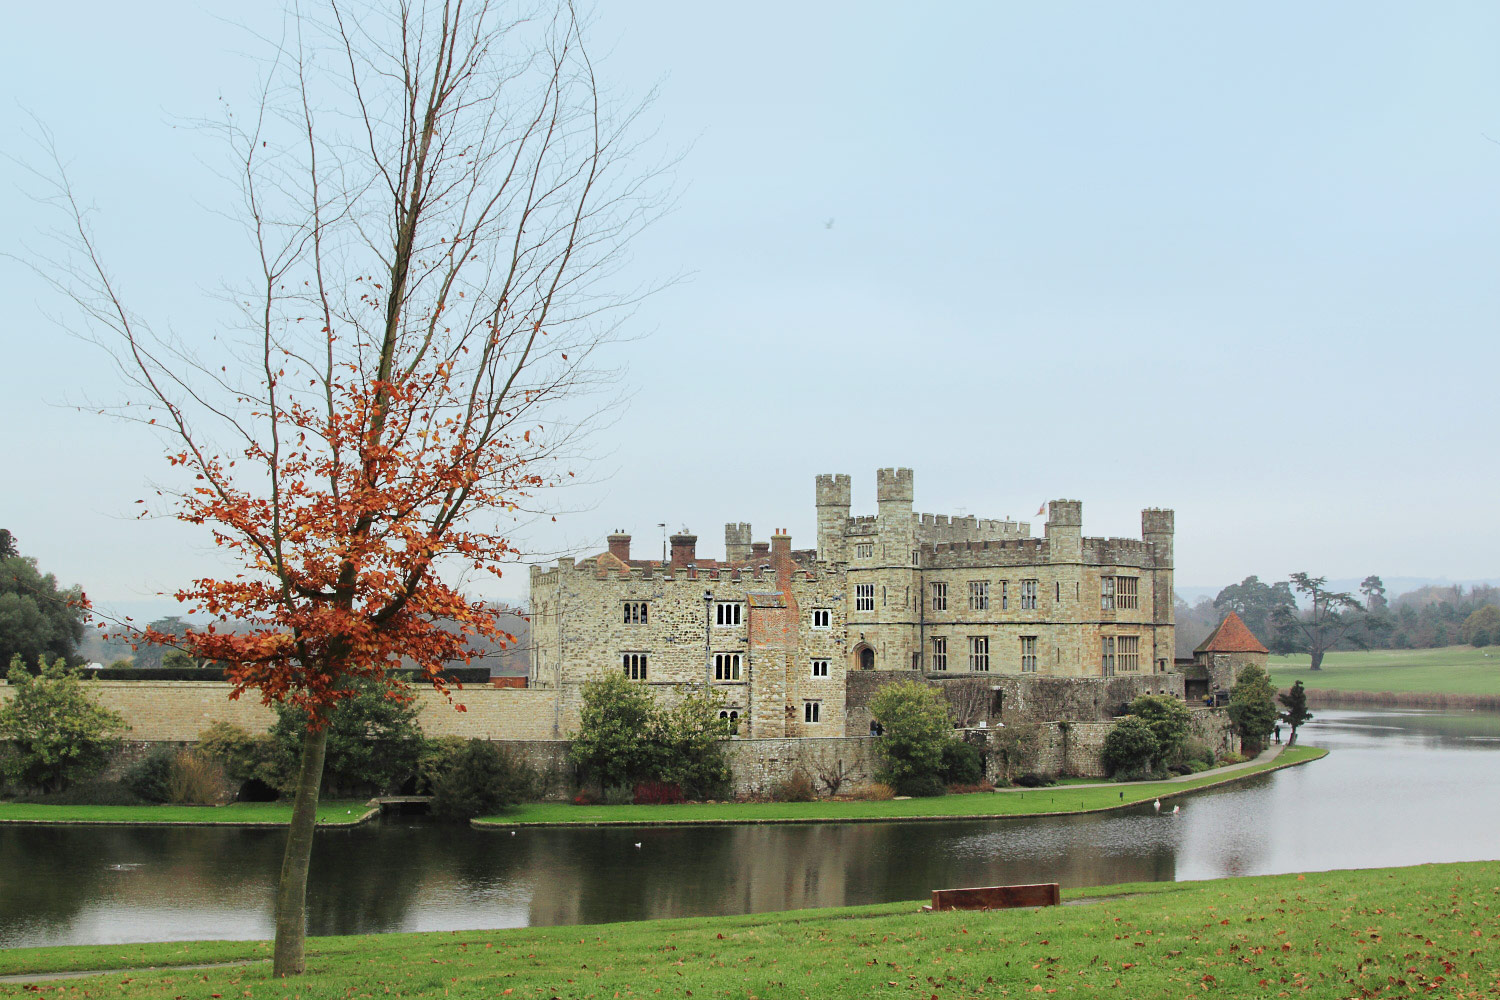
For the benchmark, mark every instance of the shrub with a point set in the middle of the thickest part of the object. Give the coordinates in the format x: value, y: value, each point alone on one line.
x: 983, y: 786
x: 1130, y: 745
x: 480, y: 779
x: 1168, y: 719
x: 585, y: 797
x: 1196, y: 750
x: 89, y: 792
x: 149, y: 776
x: 1233, y: 758
x: 198, y: 780
x: 619, y: 795
x: 914, y: 718
x: 436, y: 756
x: 875, y: 792
x: 962, y: 764
x: 798, y: 787
x: 1252, y: 707
x: 1034, y: 779
x: 374, y: 742
x: 244, y: 756
x: 1137, y: 774
x: 657, y: 793
x: 625, y: 736
x: 921, y: 786
x: 58, y: 734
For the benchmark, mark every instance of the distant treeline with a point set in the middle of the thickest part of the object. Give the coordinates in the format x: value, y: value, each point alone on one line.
x: 1425, y: 618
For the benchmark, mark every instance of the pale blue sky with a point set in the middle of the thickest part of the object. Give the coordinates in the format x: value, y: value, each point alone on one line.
x: 1236, y: 259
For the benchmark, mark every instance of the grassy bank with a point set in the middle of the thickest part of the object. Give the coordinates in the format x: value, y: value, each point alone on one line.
x: 1451, y: 670
x: 1382, y: 932
x: 1010, y: 802
x: 331, y: 813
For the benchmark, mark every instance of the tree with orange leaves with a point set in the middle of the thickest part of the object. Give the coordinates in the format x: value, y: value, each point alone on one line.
x: 436, y: 203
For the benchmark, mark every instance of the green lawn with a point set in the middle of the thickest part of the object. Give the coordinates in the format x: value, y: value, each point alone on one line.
x: 332, y: 813
x: 1387, y: 932
x: 1012, y: 802
x: 1449, y: 670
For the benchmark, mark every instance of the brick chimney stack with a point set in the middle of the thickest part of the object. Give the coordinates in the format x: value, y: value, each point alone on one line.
x: 684, y: 549
x: 619, y: 545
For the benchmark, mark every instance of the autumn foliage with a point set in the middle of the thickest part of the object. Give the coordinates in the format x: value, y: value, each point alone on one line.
x: 340, y: 555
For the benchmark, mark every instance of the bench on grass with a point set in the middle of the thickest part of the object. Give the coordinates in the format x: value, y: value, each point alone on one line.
x: 996, y: 897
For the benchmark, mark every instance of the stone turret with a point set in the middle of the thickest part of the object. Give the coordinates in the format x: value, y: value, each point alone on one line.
x: 832, y: 496
x: 737, y: 542
x: 1065, y: 531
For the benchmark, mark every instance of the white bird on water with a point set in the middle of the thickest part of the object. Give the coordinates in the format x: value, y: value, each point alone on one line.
x: 1157, y: 804
x: 637, y: 843
x: 1176, y: 810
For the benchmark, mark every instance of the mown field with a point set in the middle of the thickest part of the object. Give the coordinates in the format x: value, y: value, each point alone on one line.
x: 1009, y: 802
x: 1431, y: 930
x: 1449, y: 670
x: 333, y: 812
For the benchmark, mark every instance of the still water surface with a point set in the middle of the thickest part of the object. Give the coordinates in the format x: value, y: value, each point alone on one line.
x: 1399, y: 788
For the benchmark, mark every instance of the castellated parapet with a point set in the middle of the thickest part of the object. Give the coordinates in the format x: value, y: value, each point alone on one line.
x: 777, y: 631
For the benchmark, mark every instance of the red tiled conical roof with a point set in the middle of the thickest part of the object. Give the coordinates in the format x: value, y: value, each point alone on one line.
x: 1232, y: 636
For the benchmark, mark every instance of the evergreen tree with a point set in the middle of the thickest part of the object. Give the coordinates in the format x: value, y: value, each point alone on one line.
x: 1295, y: 703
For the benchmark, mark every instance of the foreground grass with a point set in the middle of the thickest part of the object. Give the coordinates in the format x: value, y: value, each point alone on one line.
x: 1449, y: 670
x: 1013, y: 802
x: 1387, y: 932
x: 331, y: 813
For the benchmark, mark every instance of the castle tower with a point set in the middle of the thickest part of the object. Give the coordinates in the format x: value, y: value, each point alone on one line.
x: 737, y: 542
x: 832, y: 496
x: 1158, y: 527
x: 1065, y: 531
x: 897, y: 531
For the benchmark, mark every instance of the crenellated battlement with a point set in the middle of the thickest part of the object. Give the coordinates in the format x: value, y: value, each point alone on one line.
x: 593, y: 568
x: 893, y: 486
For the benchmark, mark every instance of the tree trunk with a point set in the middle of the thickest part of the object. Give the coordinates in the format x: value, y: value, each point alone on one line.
x: 291, y: 891
x: 1292, y: 739
x: 1317, y: 659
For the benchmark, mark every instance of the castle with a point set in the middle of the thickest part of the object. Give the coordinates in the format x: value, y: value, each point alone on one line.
x: 783, y: 634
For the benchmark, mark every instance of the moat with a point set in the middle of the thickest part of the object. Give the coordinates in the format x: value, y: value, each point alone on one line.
x: 1401, y: 787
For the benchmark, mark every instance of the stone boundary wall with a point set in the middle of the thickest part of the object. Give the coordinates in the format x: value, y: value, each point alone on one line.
x: 177, y: 711
x: 1020, y: 698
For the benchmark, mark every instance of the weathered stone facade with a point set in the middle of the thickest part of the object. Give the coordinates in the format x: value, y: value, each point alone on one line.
x: 900, y: 591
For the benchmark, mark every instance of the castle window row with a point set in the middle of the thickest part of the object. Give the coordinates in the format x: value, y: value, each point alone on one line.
x: 822, y: 618
x: 864, y: 550
x: 864, y: 597
x: 635, y: 612
x: 939, y: 597
x: 635, y: 666
x: 820, y: 668
x: 812, y: 711
x: 979, y: 653
x: 979, y: 595
x: 728, y: 613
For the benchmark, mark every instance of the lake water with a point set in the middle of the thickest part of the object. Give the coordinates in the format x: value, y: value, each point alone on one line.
x: 1399, y: 788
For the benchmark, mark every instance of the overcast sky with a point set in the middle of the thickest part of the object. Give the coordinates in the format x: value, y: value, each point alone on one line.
x: 1242, y: 260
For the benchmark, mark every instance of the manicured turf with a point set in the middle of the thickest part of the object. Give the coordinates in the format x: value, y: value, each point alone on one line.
x: 1012, y: 802
x: 1430, y: 930
x: 331, y: 813
x: 1450, y: 670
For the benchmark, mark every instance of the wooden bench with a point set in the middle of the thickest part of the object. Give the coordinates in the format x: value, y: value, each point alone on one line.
x: 996, y: 897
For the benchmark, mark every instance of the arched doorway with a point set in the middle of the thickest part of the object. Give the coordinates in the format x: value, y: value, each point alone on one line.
x: 865, y: 657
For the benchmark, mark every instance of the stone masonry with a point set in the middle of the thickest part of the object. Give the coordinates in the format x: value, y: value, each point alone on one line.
x: 778, y: 631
